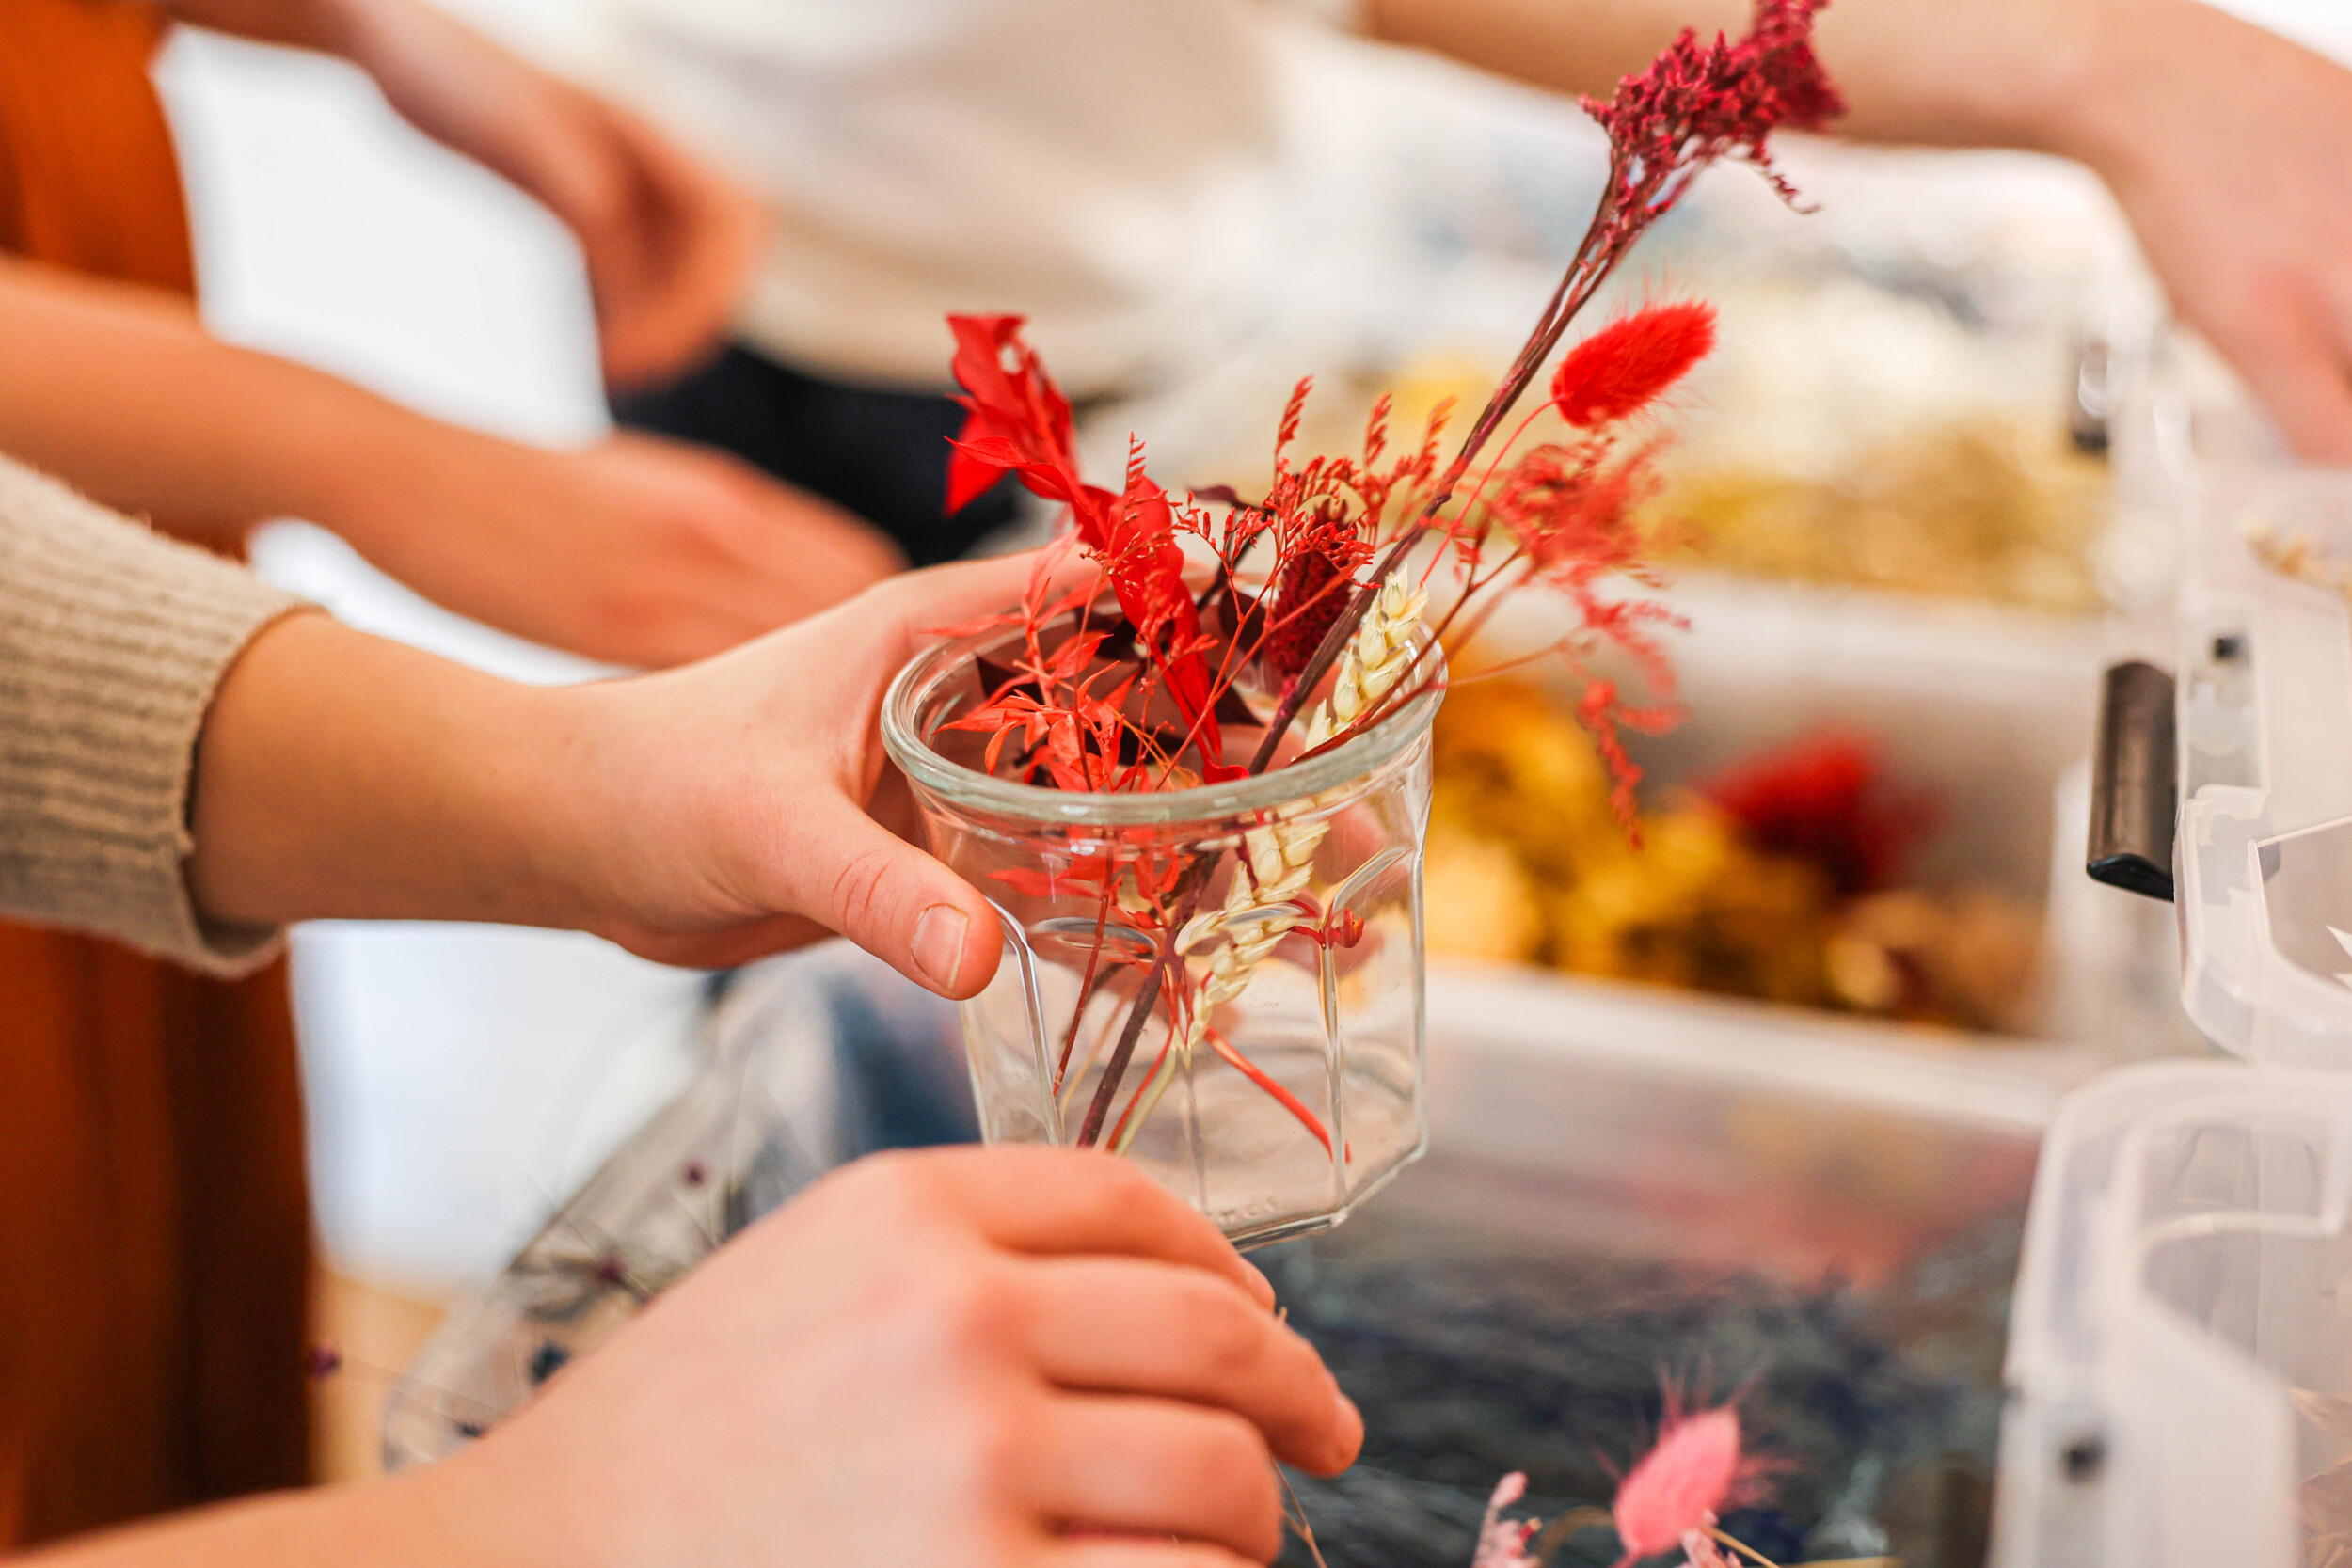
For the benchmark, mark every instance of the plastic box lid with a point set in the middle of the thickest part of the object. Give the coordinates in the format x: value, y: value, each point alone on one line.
x: 2265, y: 742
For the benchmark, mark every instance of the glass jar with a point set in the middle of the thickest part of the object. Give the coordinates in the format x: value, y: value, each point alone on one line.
x: 1274, y: 923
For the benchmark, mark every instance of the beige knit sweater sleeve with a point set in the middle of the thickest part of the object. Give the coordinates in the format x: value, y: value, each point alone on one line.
x: 112, y: 642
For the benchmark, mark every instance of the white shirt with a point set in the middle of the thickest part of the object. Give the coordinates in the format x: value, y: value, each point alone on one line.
x: 1104, y: 166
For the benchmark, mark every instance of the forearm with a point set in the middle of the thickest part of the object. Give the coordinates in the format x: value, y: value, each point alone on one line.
x: 322, y: 25
x: 344, y: 776
x: 1993, y: 73
x: 396, y: 1524
x: 446, y: 78
x: 120, y: 391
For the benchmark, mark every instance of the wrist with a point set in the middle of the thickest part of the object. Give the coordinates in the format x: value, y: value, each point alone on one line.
x: 2137, y: 62
x: 337, y: 27
x: 383, y: 476
x: 460, y: 1514
x: 2027, y: 74
x: 340, y: 776
x: 565, y: 813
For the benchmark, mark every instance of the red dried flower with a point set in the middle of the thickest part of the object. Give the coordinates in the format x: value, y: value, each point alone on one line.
x: 1631, y: 363
x: 1824, y: 801
x: 1564, y: 510
x: 1317, y: 580
x: 1571, y: 510
x: 1697, y: 102
x: 1017, y: 419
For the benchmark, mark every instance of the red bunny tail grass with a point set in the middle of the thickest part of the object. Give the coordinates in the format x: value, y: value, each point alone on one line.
x: 1632, y: 362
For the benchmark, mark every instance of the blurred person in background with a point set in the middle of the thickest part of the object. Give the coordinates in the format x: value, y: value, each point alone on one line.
x: 154, y: 1238
x: 1091, y: 166
x: 636, y: 550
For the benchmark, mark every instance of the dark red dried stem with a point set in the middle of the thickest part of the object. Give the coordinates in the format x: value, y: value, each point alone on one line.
x: 1086, y: 986
x: 1194, y: 883
x: 1583, y: 277
x: 1692, y: 106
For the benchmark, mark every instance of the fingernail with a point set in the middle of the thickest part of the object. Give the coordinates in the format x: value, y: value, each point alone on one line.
x: 1260, y: 1285
x: 939, y: 945
x: 1351, y: 1425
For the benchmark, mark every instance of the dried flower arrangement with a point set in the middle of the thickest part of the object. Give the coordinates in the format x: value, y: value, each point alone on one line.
x: 1326, y: 599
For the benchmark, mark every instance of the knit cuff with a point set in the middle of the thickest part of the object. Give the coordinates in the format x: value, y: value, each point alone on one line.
x: 113, y: 640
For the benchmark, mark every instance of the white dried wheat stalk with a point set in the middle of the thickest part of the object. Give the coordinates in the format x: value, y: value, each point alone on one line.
x: 1277, y: 858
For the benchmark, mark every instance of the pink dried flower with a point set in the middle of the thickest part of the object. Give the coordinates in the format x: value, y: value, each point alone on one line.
x: 1680, y: 1484
x: 1699, y: 1549
x: 1503, y: 1543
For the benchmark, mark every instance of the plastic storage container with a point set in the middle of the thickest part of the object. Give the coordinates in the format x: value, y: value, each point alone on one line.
x: 1987, y: 712
x: 2181, y: 1359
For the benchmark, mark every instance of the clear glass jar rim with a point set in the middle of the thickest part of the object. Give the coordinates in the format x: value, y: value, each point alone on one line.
x: 971, y: 788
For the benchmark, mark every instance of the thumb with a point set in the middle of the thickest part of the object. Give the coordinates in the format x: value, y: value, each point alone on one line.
x: 857, y: 878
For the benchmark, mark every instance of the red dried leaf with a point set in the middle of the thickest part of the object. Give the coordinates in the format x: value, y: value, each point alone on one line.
x: 1017, y: 418
x: 1019, y: 423
x: 1602, y: 711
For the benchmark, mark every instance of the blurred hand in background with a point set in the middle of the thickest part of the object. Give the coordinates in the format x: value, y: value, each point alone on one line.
x: 669, y: 242
x: 638, y: 550
x: 2225, y: 143
x: 2230, y: 151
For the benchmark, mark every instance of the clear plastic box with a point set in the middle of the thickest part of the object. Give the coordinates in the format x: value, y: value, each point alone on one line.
x: 2179, y: 1362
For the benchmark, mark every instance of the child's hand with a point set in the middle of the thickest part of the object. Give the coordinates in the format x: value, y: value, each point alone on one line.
x: 705, y: 815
